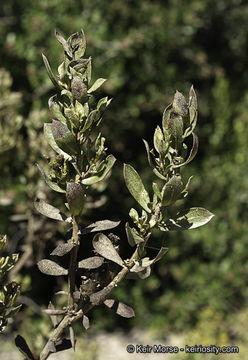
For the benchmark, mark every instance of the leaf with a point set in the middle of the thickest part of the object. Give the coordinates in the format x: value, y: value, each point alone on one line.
x: 192, y: 153
x: 75, y: 197
x: 132, y: 237
x: 172, y: 190
x: 64, y: 43
x: 64, y: 138
x: 110, y: 160
x: 55, y: 109
x: 50, y: 73
x: 136, y: 187
x: 120, y: 308
x: 105, y: 248
x: 189, y: 219
x: 49, y: 267
x: 96, y: 85
x: 100, y: 225
x: 63, y: 249
x: 158, y: 139
x: 50, y: 211
x: 93, y: 262
x: 51, y: 184
x: 86, y: 322
x: 143, y: 274
x: 77, y: 43
x: 12, y: 311
x: 175, y: 130
x: 20, y: 342
x: 54, y: 312
x: 149, y: 155
x: 179, y: 104
x: 49, y: 136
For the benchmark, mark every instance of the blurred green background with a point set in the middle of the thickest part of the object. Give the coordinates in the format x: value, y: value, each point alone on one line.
x: 146, y: 50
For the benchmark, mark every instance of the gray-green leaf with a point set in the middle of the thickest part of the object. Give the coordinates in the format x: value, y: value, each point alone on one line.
x: 172, y: 190
x: 120, y: 308
x: 136, y: 187
x: 50, y: 211
x: 96, y: 85
x: 49, y: 267
x: 93, y: 262
x: 132, y: 237
x: 189, y: 219
x: 109, y: 162
x: 51, y: 184
x: 105, y: 248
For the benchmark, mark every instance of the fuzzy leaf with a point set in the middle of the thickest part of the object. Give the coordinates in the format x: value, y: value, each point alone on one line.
x: 136, y: 187
x: 93, y: 262
x: 20, y: 342
x: 172, y: 190
x: 62, y: 249
x: 120, y: 308
x: 175, y: 130
x: 86, y: 322
x: 96, y: 85
x: 75, y: 197
x: 64, y: 43
x: 109, y: 162
x: 50, y: 73
x: 150, y: 158
x: 55, y: 109
x: 64, y: 138
x: 51, y: 184
x: 99, y: 226
x: 105, y: 248
x: 49, y: 267
x: 49, y: 136
x: 132, y: 237
x: 189, y: 219
x: 158, y: 139
x: 50, y: 211
x: 77, y: 43
x: 54, y: 312
x: 192, y: 153
x: 179, y: 104
x: 143, y: 274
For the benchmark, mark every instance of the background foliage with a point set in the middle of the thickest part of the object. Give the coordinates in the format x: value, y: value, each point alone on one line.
x: 147, y: 50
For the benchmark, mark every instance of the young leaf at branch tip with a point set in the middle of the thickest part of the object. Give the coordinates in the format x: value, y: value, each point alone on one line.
x: 105, y: 248
x: 180, y: 104
x: 51, y: 184
x: 50, y: 211
x: 109, y: 162
x: 49, y: 267
x: 192, y: 153
x: 96, y: 85
x: 120, y: 308
x: 50, y: 73
x: 188, y: 219
x: 136, y: 187
x: 132, y: 237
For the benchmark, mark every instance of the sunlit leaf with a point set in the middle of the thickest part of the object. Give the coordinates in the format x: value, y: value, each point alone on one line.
x: 63, y: 249
x: 136, y: 187
x: 105, y: 248
x: 189, y: 219
x: 172, y: 190
x: 50, y: 73
x: 132, y: 237
x: 109, y: 162
x: 98, y: 83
